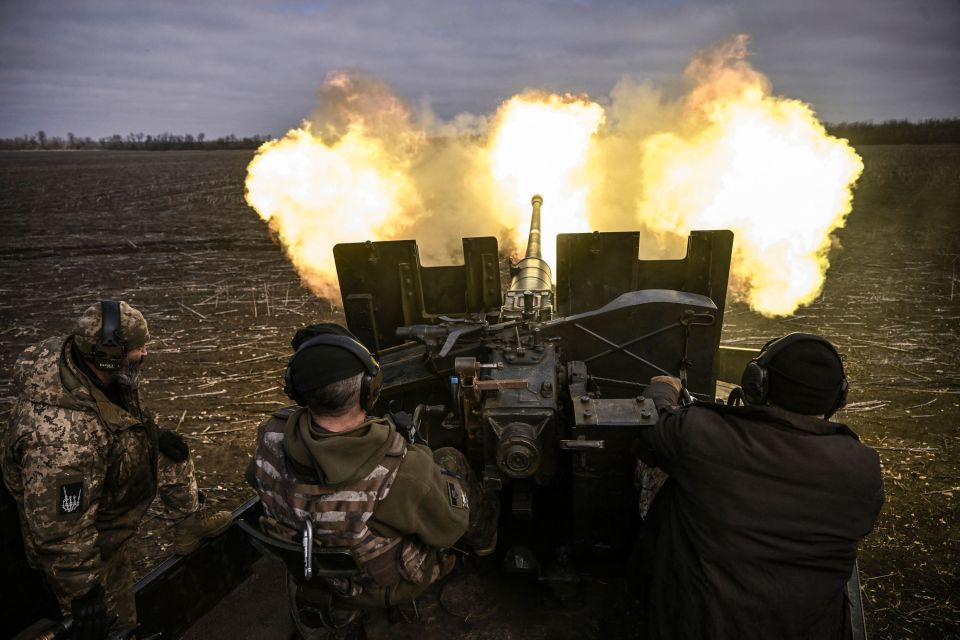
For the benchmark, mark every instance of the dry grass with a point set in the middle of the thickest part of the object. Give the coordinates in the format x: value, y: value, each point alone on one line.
x: 170, y: 233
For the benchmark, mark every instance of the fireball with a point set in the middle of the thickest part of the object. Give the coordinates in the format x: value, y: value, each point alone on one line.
x: 315, y: 194
x: 761, y: 166
x: 542, y: 144
x: 728, y: 155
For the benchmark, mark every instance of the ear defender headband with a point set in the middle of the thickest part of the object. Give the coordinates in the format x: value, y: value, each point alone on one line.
x: 111, y: 347
x: 370, y: 383
x: 756, y: 376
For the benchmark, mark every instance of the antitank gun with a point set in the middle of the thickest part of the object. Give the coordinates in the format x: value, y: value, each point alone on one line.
x: 541, y: 387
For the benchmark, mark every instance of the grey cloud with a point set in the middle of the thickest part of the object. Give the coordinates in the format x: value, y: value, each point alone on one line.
x: 861, y: 60
x: 107, y: 66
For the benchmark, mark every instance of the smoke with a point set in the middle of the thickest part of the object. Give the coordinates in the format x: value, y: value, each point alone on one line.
x: 442, y: 160
x: 761, y: 165
x: 727, y: 154
x: 722, y: 153
x: 637, y: 110
x: 721, y: 74
x: 357, y: 100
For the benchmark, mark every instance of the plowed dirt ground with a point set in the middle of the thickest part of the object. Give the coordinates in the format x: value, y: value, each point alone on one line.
x: 170, y: 233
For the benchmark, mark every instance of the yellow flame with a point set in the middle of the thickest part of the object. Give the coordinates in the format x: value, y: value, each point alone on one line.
x: 315, y: 195
x: 541, y: 144
x: 761, y: 166
x: 728, y: 155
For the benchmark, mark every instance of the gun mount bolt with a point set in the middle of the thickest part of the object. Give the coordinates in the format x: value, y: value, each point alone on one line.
x: 645, y: 413
x: 584, y: 399
x: 587, y: 413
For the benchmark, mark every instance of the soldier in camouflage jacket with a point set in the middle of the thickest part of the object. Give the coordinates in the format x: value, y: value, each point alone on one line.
x: 84, y: 461
x: 395, y: 505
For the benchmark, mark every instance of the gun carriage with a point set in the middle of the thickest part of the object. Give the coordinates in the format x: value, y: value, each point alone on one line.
x: 540, y: 385
x: 542, y: 388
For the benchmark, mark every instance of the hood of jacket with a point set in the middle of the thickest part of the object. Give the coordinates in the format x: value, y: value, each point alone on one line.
x: 337, y: 458
x: 44, y: 374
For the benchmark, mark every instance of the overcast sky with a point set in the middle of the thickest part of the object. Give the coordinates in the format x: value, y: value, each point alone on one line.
x: 97, y: 67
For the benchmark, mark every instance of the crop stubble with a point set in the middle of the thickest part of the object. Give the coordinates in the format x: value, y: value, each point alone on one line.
x: 170, y: 232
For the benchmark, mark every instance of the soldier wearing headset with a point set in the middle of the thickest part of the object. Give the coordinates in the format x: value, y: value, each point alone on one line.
x: 755, y: 532
x: 394, y: 505
x: 84, y: 460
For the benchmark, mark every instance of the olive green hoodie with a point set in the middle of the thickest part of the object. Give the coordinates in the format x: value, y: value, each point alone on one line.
x: 417, y: 503
x: 337, y: 458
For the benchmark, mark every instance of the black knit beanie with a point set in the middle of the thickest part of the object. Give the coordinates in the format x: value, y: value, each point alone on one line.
x: 304, y: 334
x: 805, y: 377
x: 320, y: 365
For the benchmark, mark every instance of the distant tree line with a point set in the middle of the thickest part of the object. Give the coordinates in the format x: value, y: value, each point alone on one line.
x: 131, y: 142
x: 942, y: 131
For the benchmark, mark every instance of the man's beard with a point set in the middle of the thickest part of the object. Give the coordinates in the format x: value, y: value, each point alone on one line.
x: 128, y: 375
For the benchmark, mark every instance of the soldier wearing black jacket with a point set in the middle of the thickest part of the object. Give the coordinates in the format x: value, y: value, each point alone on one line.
x: 755, y: 532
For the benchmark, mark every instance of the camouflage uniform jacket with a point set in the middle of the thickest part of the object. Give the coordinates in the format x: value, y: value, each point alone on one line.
x: 82, y: 469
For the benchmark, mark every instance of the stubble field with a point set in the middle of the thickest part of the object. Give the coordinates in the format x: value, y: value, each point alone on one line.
x: 170, y: 233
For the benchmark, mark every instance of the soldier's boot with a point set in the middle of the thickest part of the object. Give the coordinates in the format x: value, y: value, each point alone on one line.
x: 189, y: 532
x: 482, y: 532
x: 487, y: 547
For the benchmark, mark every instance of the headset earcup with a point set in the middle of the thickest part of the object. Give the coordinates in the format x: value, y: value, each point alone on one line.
x: 370, y: 390
x: 841, y: 398
x: 110, y: 348
x: 288, y: 386
x: 373, y: 389
x: 365, y: 393
x: 754, y: 383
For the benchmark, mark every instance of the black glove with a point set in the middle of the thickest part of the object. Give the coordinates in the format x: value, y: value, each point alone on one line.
x: 173, y: 445
x: 89, y: 616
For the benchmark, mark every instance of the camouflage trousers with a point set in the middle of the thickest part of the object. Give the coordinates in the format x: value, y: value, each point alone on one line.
x: 177, y: 487
x: 177, y: 490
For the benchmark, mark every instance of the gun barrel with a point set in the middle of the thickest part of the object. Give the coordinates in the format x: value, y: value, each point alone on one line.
x: 531, y: 289
x: 533, y: 241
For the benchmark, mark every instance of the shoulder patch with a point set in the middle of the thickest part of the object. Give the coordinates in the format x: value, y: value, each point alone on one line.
x: 457, y: 496
x: 70, y: 498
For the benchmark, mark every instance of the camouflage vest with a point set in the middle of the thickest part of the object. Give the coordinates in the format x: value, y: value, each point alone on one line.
x: 339, y: 514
